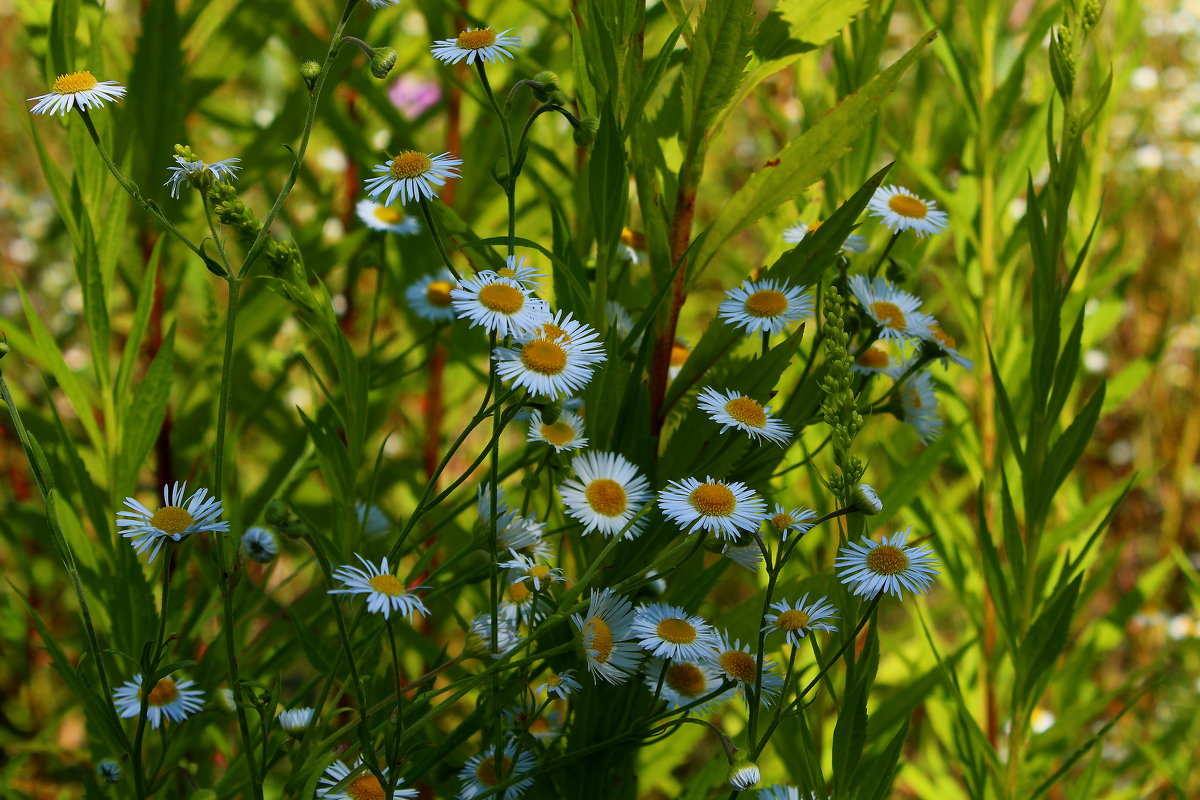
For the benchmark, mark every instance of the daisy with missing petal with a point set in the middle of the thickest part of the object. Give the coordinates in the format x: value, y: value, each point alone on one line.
x: 295, y: 720
x: 341, y: 782
x: 385, y: 592
x: 200, y: 174
x: 766, y: 306
x: 795, y: 621
x: 176, y: 520
x: 735, y: 662
x: 919, y: 402
x: 76, y: 90
x: 795, y: 234
x: 888, y: 566
x: 717, y: 506
x: 429, y: 297
x: 559, y: 685
x: 557, y: 359
x: 169, y: 699
x: 605, y: 494
x: 901, y: 210
x: 386, y: 218
x: 893, y: 310
x: 606, y: 637
x: 525, y: 568
x: 943, y: 345
x: 565, y: 433
x: 685, y: 682
x: 501, y: 305
x: 412, y: 175
x: 735, y: 410
x: 670, y: 632
x: 784, y: 522
x: 476, y: 46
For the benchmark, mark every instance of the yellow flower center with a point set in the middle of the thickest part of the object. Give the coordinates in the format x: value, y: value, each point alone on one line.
x: 172, y: 520
x: 713, y: 499
x: 410, y: 164
x: 364, y: 787
x: 437, y: 293
x: 388, y: 584
x: 544, y: 357
x: 606, y: 497
x: 476, y: 40
x: 766, y: 303
x: 814, y: 225
x: 874, y: 358
x: 164, y: 692
x: 888, y: 314
x: 553, y: 680
x: 908, y: 206
x: 687, y: 679
x: 914, y: 398
x: 539, y: 571
x: 943, y: 338
x: 502, y: 297
x: 558, y: 432
x: 747, y: 412
x: 738, y: 664
x: 782, y: 521
x: 792, y: 620
x: 632, y: 238
x: 554, y: 333
x: 679, y: 354
x: 887, y: 559
x: 676, y: 631
x: 602, y: 639
x: 75, y: 82
x: 388, y: 216
x: 518, y: 592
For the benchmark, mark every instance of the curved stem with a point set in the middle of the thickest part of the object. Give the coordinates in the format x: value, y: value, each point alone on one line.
x: 510, y: 184
x: 437, y: 239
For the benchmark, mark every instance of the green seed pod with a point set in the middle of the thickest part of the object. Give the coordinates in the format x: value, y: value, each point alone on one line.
x: 585, y: 132
x: 310, y: 71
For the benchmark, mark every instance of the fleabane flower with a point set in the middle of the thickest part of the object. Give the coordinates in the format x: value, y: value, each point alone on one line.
x: 169, y: 699
x: 876, y: 359
x: 429, y: 297
x: 521, y: 604
x: 686, y: 682
x: 555, y: 359
x: 560, y: 685
x: 894, y: 310
x: 606, y: 637
x: 746, y: 556
x: 76, y: 90
x: 766, y: 306
x: 919, y: 402
x: 513, y: 531
x: 736, y: 410
x: 259, y: 545
x: 483, y: 771
x: 680, y: 350
x: 372, y: 519
x: 718, y: 506
x: 411, y: 176
x: 479, y: 45
x: 784, y: 522
x: 734, y: 661
x: 200, y: 174
x: 501, y: 305
x: 889, y: 566
x: 516, y: 269
x: 670, y: 632
x: 744, y: 775
x: 385, y: 592
x: 295, y: 720
x: 901, y: 210
x: 796, y: 233
x: 176, y: 520
x: 795, y: 621
x: 605, y: 493
x: 565, y: 433
x: 783, y: 793
x: 527, y: 569
x: 386, y: 218
x: 341, y: 782
x: 942, y: 344
x: 866, y: 500
x: 507, y: 636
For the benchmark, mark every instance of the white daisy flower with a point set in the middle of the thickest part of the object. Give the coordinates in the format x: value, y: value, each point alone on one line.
x: 679, y: 354
x: 520, y: 604
x: 507, y: 636
x: 544, y: 724
x: 169, y: 699
x: 901, y: 210
x: 295, y: 720
x: 797, y: 620
x: 735, y: 410
x: 876, y: 359
x: 560, y: 685
x: 565, y: 433
x: 866, y: 500
x: 513, y: 531
x: 887, y: 566
x: 412, y: 175
x: 501, y: 305
x: 670, y: 632
x: 783, y: 521
x: 429, y: 297
x: 259, y: 545
x: 619, y: 321
x: 893, y: 310
x: 517, y: 270
x: 386, y: 218
x: 224, y: 701
x: 746, y: 556
x: 766, y: 306
x: 483, y: 771
x: 605, y: 493
x: 605, y: 635
x: 744, y: 775
x: 633, y: 246
x: 717, y: 506
x: 355, y: 783
x: 685, y: 682
x: 374, y: 522
x: 76, y: 90
x: 527, y: 569
x: 109, y: 771
x: 943, y: 345
x: 176, y: 520
x: 385, y: 592
x: 796, y: 233
x: 735, y: 661
x: 920, y: 404
x: 200, y: 174
x: 556, y: 359
x: 476, y: 45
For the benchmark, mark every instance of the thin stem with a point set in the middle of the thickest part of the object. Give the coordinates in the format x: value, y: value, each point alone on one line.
x: 437, y: 239
x: 891, y: 243
x: 148, y: 676
x: 510, y: 183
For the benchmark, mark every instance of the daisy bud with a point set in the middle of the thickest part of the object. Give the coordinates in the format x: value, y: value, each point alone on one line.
x: 109, y: 771
x: 557, y: 98
x: 259, y: 545
x: 1090, y: 15
x: 744, y: 775
x: 310, y: 71
x: 223, y: 701
x: 551, y: 411
x: 866, y: 501
x: 544, y: 83
x: 185, y: 152
x: 382, y: 61
x: 585, y: 132
x: 276, y: 513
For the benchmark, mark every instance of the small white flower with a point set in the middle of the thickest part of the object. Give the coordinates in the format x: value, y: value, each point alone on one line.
x: 520, y: 604
x: 386, y: 218
x: 429, y: 297
x: 866, y: 500
x: 901, y: 210
x: 565, y: 433
x: 735, y: 661
x: 920, y: 405
x: 109, y: 771
x: 766, y: 306
x: 259, y: 545
x: 746, y: 556
x: 605, y: 493
x: 476, y: 45
x: 796, y: 233
x: 483, y: 771
x: 412, y: 175
x: 783, y: 793
x: 744, y: 775
x: 371, y: 518
x: 193, y: 173
x: 295, y: 720
x: 735, y: 410
x: 507, y: 636
x: 894, y: 310
x: 513, y: 531
x: 556, y: 359
x: 717, y: 506
x: 680, y: 351
x: 527, y: 569
x: 606, y: 637
x: 224, y: 701
x: 502, y: 306
x: 685, y: 682
x: 670, y: 632
x: 517, y: 270
x: 943, y: 344
x: 560, y: 685
x: 888, y: 566
x: 355, y: 783
x: 176, y: 520
x: 795, y: 621
x: 77, y: 90
x: 169, y: 699
x: 619, y: 321
x: 385, y: 592
x: 783, y: 521
x: 876, y: 359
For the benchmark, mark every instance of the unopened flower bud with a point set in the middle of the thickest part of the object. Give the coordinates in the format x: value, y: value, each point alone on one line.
x: 543, y: 84
x: 557, y: 98
x: 1090, y: 15
x: 382, y: 61
x: 310, y: 71
x: 223, y: 701
x: 185, y: 152
x: 585, y: 131
x: 276, y: 513
x: 4, y: 348
x: 866, y: 501
x: 744, y: 774
x: 259, y: 545
x: 109, y: 771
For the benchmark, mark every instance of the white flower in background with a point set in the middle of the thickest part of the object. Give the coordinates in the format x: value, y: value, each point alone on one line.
x: 385, y: 592
x: 176, y: 520
x: 746, y: 556
x: 565, y: 433
x: 527, y: 569
x: 944, y: 345
x: 735, y: 410
x: 766, y: 306
x: 619, y: 321
x: 605, y: 493
x: 784, y: 522
x: 796, y: 621
x: 476, y: 46
x: 717, y: 506
x: 372, y: 519
x: 901, y: 210
x: 685, y: 682
x: 556, y: 359
x: 894, y: 310
x: 680, y: 351
x: 506, y: 637
x: 295, y: 720
x: 259, y: 545
x: 355, y: 783
x: 920, y: 404
x: 429, y: 297
x: 411, y: 176
x: 382, y: 3
x: 520, y: 604
x: 483, y: 771
x: 560, y: 685
x: 866, y: 500
x: 606, y: 637
x: 502, y: 306
x: 796, y: 233
x: 876, y: 359
x: 735, y: 662
x: 386, y: 218
x: 670, y: 632
x: 517, y: 270
x: 76, y: 90
x: 888, y: 566
x: 197, y: 173
x: 169, y: 699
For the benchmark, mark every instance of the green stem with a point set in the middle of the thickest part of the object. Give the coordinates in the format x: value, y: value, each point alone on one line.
x: 882, y: 256
x: 510, y: 184
x: 437, y: 239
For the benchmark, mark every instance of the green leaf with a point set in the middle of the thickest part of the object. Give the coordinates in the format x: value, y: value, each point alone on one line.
x: 141, y: 319
x: 850, y: 731
x: 157, y: 87
x: 1068, y: 448
x: 717, y: 58
x: 95, y: 302
x: 876, y: 777
x: 64, y: 19
x: 147, y: 409
x: 1042, y: 646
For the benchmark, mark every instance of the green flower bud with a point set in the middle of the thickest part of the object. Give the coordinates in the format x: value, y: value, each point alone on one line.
x: 866, y: 501
x: 382, y: 61
x: 276, y: 513
x: 310, y: 71
x: 543, y: 84
x: 185, y: 152
x: 1090, y: 15
x: 744, y: 774
x: 109, y: 771
x: 585, y: 132
x: 557, y: 98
